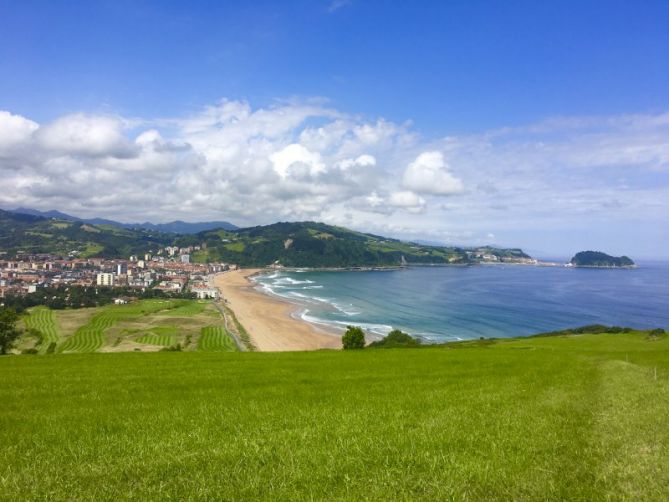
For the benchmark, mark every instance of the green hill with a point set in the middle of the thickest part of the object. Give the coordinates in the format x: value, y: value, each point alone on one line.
x: 29, y: 234
x: 579, y: 417
x: 300, y: 244
x: 599, y: 259
x: 310, y: 244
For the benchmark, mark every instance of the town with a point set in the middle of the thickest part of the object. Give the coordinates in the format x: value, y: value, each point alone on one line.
x: 169, y: 270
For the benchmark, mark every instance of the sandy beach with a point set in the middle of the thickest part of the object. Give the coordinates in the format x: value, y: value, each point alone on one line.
x: 267, y: 319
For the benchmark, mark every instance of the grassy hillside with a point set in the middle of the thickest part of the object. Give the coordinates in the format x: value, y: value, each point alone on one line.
x: 145, y: 325
x: 21, y: 233
x: 580, y: 417
x: 309, y: 244
x: 302, y: 244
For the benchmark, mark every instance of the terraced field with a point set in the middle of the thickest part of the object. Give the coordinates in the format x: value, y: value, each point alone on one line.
x: 160, y: 335
x: 216, y: 339
x: 154, y: 339
x: 189, y: 309
x: 90, y: 337
x: 43, y: 319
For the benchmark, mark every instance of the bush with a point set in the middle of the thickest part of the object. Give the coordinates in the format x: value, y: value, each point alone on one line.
x: 656, y: 333
x: 51, y: 348
x: 36, y: 334
x: 354, y: 338
x: 30, y: 351
x: 396, y: 338
x: 172, y: 348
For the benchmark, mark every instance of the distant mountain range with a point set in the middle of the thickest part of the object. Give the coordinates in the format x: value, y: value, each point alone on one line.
x: 177, y: 226
x: 313, y: 244
x: 292, y: 244
x: 27, y: 234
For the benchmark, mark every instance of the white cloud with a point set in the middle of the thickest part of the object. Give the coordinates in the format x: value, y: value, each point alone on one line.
x: 86, y: 135
x: 295, y: 157
x: 15, y: 131
x: 407, y: 200
x: 362, y: 161
x: 429, y: 174
x: 305, y: 160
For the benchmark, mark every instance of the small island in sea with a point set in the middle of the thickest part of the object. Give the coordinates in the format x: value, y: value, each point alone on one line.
x: 598, y: 259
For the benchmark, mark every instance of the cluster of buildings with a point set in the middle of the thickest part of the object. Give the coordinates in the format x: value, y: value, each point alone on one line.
x: 170, y: 270
x: 485, y: 256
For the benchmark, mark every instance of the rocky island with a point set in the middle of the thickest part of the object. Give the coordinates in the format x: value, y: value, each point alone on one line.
x: 600, y: 260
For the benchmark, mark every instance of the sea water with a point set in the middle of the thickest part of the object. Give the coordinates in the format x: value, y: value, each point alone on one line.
x: 452, y: 303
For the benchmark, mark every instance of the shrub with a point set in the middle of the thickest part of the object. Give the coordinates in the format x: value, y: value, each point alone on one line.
x: 51, y: 348
x: 656, y: 333
x: 396, y: 338
x: 172, y: 348
x: 354, y: 338
x: 30, y: 351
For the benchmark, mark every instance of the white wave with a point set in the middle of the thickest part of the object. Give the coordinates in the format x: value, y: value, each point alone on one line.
x: 293, y: 282
x: 348, y: 309
x: 273, y: 275
x: 317, y: 320
x: 376, y: 329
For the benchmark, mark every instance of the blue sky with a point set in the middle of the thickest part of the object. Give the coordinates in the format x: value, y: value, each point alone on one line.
x: 538, y: 120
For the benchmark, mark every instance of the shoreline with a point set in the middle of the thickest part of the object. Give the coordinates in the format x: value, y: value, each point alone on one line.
x: 270, y: 321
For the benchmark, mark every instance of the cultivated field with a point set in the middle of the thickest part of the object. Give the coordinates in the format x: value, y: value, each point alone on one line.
x: 146, y: 325
x: 580, y: 417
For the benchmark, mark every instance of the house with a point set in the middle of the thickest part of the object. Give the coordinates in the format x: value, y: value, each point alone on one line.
x: 204, y: 292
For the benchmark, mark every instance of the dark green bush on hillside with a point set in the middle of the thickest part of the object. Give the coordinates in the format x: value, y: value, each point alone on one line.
x: 396, y: 338
x: 354, y: 338
x: 656, y: 333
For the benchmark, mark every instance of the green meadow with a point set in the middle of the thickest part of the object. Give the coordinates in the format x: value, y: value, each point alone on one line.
x: 580, y: 417
x: 145, y: 325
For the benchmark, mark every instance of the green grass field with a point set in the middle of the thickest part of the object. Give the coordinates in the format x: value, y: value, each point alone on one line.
x: 42, y: 319
x: 583, y: 417
x: 90, y: 337
x: 216, y: 339
x: 142, y: 325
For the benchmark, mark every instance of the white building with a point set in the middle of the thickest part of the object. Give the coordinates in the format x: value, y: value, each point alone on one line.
x: 203, y: 293
x: 105, y: 279
x: 185, y: 258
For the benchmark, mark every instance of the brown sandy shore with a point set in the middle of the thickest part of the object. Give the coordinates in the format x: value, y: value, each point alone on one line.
x: 267, y: 319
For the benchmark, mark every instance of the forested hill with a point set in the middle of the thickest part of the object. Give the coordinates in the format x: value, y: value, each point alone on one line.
x: 599, y: 259
x: 303, y: 244
x: 310, y: 244
x: 30, y: 234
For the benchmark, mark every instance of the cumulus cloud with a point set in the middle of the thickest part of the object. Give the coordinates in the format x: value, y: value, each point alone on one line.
x: 86, y: 135
x: 429, y: 174
x: 298, y: 157
x: 15, y: 131
x: 361, y: 161
x: 407, y: 200
x: 299, y: 160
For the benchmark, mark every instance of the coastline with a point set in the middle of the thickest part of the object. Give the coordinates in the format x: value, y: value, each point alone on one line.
x: 269, y: 320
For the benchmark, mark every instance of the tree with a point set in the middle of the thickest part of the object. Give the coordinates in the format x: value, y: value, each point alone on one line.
x: 8, y: 331
x: 354, y: 338
x: 396, y: 338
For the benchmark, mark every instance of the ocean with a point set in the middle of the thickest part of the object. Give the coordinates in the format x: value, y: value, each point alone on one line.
x: 457, y: 303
